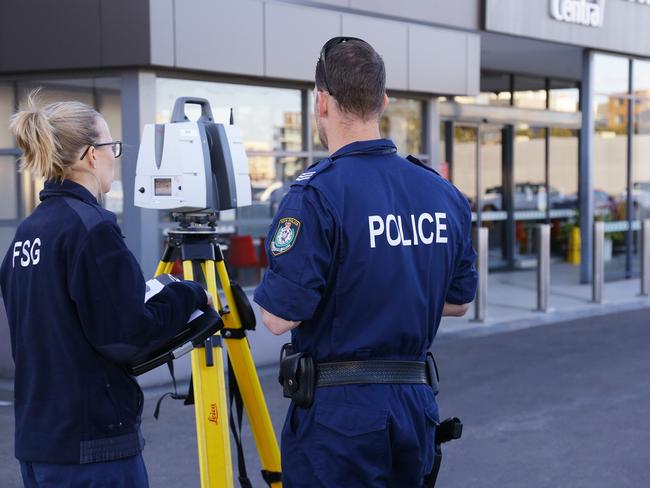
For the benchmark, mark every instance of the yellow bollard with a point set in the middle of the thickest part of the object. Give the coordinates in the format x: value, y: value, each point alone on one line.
x: 573, y: 253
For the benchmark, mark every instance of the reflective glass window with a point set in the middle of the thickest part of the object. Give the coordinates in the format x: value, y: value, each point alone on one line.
x: 564, y: 96
x: 610, y: 141
x: 530, y: 92
x: 269, y: 118
x: 402, y: 122
x: 464, y: 165
x: 563, y: 168
x: 103, y: 94
x: 7, y: 105
x: 495, y: 90
x: 8, y: 187
x: 641, y: 152
x: 611, y: 87
x: 529, y: 168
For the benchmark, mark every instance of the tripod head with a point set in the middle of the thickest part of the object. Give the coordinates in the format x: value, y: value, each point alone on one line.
x: 188, y: 219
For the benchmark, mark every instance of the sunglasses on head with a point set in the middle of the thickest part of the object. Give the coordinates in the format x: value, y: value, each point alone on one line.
x: 334, y: 41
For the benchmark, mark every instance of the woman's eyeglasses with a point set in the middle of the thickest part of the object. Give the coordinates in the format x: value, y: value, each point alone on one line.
x: 116, y: 147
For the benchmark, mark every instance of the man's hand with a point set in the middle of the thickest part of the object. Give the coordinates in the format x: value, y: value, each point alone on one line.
x: 453, y: 310
x: 276, y: 324
x: 210, y: 301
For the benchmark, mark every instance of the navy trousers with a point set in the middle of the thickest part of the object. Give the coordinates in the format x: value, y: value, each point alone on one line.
x: 122, y: 473
x: 361, y: 436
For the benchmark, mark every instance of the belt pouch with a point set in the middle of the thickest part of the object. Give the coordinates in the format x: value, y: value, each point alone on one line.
x: 298, y: 378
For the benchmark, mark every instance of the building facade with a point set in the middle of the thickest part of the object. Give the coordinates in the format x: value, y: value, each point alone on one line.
x: 539, y: 111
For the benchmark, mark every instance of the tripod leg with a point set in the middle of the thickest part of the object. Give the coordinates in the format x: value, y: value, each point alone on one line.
x: 166, y: 263
x: 249, y: 383
x: 210, y: 405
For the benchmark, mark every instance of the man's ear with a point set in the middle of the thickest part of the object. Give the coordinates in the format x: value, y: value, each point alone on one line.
x: 384, y: 103
x: 323, y: 100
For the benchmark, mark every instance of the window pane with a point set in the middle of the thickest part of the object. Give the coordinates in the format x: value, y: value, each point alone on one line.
x: 641, y: 78
x: 6, y: 237
x: 107, y: 94
x: 641, y: 160
x: 8, y: 188
x: 563, y: 162
x: 564, y: 96
x: 610, y: 153
x: 6, y: 111
x: 58, y: 90
x: 103, y: 94
x: 464, y: 169
x: 529, y: 169
x: 402, y: 122
x: 610, y: 74
x: 610, y: 147
x: 269, y: 118
x: 486, y: 98
x: 530, y: 92
x: 495, y: 90
x: 443, y: 167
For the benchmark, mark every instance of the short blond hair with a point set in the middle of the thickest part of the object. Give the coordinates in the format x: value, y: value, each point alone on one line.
x: 52, y: 136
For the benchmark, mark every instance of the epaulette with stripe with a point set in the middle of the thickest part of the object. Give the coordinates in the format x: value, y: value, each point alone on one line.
x: 415, y: 160
x: 304, y: 178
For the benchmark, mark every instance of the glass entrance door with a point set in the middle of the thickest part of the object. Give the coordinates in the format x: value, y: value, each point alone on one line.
x: 477, y: 169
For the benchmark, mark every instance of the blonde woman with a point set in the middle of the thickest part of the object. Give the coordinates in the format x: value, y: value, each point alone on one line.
x: 74, y: 296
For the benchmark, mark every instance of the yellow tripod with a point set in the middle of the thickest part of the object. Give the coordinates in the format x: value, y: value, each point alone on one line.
x: 200, y: 253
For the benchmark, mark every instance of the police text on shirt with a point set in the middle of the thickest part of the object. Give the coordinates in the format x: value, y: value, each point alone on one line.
x: 422, y: 229
x: 31, y: 252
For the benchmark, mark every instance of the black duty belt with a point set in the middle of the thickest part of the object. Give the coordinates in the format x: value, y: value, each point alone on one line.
x: 300, y: 375
x: 378, y: 371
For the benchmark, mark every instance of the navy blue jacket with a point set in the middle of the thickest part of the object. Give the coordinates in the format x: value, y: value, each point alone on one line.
x: 74, y: 297
x: 364, y: 250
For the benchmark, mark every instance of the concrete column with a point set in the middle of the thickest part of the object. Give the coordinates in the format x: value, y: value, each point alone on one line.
x: 585, y: 167
x: 140, y: 226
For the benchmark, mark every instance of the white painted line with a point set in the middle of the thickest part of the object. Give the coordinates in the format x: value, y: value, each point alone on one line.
x: 5, y: 404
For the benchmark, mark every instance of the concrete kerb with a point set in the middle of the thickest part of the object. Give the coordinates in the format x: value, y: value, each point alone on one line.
x: 497, y: 327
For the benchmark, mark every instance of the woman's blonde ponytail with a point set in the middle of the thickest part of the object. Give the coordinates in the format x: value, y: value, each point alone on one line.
x: 51, y: 137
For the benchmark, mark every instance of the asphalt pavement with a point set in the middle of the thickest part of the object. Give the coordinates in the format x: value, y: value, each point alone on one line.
x: 560, y: 405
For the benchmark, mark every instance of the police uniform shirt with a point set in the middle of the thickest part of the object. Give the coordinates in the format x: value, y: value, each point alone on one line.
x: 364, y: 250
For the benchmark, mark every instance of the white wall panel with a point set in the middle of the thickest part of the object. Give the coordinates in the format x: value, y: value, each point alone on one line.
x: 443, y: 61
x: 458, y: 13
x: 161, y: 23
x: 294, y: 37
x: 390, y: 40
x: 223, y: 36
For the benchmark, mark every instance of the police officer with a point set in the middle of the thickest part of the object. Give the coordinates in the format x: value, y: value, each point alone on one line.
x: 367, y: 251
x: 74, y: 296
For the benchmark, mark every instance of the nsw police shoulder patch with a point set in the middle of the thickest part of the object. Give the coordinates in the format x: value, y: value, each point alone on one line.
x: 285, y: 236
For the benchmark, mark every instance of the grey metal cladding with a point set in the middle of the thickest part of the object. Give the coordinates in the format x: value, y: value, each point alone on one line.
x: 44, y: 34
x: 390, y: 40
x: 125, y: 32
x: 294, y: 37
x: 161, y: 24
x: 41, y: 34
x: 223, y: 36
x: 624, y: 28
x: 443, y: 61
x: 456, y: 13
